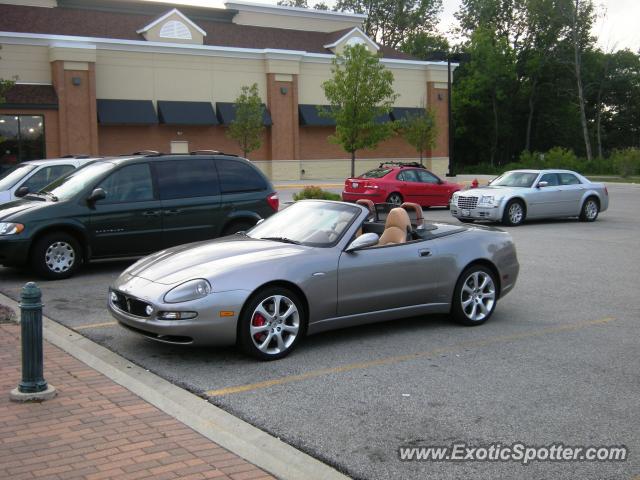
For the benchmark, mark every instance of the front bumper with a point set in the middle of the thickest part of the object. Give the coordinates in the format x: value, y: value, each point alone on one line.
x: 208, y: 328
x: 477, y: 213
x: 14, y: 251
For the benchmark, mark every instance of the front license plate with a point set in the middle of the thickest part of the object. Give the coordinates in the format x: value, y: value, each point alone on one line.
x: 466, y: 213
x: 354, y: 184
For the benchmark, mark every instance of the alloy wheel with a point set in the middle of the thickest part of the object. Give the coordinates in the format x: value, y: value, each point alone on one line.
x: 515, y: 213
x: 275, y: 324
x: 591, y: 210
x: 478, y: 296
x: 395, y: 199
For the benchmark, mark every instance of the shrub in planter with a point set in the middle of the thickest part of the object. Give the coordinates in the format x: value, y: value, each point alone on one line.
x: 313, y: 192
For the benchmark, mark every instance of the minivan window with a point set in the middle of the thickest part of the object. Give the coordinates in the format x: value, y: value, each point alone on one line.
x: 45, y: 176
x: 129, y: 184
x: 14, y: 175
x: 69, y: 186
x: 238, y: 177
x: 187, y: 178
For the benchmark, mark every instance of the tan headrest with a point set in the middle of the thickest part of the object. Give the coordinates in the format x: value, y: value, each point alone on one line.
x: 392, y: 235
x: 369, y: 204
x: 398, y: 217
x: 416, y: 208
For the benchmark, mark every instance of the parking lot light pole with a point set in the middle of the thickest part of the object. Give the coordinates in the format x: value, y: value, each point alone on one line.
x: 33, y: 386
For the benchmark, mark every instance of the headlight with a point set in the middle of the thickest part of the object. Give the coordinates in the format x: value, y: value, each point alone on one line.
x: 191, y: 290
x: 10, y: 228
x: 488, y: 201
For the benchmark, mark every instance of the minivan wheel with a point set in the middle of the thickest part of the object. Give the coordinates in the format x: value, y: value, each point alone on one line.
x: 238, y: 226
x: 56, y: 256
x: 271, y: 324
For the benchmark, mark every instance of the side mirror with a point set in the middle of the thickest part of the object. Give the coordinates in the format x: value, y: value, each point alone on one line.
x: 365, y: 240
x: 21, y: 192
x: 542, y: 184
x: 97, y: 194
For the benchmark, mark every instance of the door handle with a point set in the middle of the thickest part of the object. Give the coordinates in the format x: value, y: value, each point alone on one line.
x: 151, y: 213
x: 424, y: 252
x: 172, y: 212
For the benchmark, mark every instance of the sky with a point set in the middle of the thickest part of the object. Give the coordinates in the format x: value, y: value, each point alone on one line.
x: 617, y: 27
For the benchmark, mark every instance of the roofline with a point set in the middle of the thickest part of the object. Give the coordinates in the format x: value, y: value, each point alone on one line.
x: 167, y: 15
x: 294, y: 11
x: 96, y: 43
x: 354, y: 29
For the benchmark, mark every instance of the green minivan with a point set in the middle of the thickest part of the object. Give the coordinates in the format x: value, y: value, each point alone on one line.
x: 132, y: 206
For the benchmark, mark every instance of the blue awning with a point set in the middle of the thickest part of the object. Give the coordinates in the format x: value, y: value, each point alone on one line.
x: 126, y: 112
x: 186, y: 113
x: 309, y: 116
x: 227, y: 113
x: 401, y: 113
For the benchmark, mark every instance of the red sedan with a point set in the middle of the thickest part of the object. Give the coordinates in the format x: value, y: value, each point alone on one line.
x: 400, y: 182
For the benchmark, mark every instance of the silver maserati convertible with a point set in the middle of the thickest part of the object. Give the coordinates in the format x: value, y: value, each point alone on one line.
x: 527, y: 194
x: 315, y: 266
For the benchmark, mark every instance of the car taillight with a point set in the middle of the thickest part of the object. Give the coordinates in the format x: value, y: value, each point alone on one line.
x: 274, y: 201
x: 606, y: 192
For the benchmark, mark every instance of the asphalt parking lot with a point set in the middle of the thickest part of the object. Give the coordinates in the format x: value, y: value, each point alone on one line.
x: 559, y: 362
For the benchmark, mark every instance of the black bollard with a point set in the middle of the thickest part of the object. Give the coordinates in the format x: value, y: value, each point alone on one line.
x: 33, y: 386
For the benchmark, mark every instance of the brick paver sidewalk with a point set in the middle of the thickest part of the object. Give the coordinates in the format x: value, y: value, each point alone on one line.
x: 96, y: 429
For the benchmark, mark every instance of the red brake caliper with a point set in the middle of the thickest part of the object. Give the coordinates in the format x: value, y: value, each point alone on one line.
x: 259, y: 321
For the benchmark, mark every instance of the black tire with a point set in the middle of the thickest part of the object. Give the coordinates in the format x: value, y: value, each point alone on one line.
x: 463, y: 312
x: 514, y: 213
x: 395, y: 198
x: 56, y: 256
x: 237, y: 226
x: 590, y: 210
x: 248, y: 340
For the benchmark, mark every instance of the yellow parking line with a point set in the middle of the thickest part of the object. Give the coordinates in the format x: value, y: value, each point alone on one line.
x: 404, y: 358
x: 323, y: 185
x: 95, y: 325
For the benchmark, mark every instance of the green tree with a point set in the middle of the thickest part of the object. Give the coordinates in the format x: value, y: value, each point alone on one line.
x: 360, y: 90
x: 391, y: 22
x: 420, y: 131
x: 247, y: 127
x: 424, y: 44
x: 293, y: 3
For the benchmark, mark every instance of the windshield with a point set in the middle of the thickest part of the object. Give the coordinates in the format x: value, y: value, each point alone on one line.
x: 317, y: 224
x: 376, y: 173
x: 67, y: 187
x: 515, y: 179
x: 12, y: 176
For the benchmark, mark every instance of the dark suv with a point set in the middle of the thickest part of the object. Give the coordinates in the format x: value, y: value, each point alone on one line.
x: 132, y: 206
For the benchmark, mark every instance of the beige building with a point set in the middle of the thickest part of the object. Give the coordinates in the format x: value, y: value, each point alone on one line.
x: 106, y: 77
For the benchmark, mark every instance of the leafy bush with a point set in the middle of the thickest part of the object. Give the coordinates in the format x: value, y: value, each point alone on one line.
x: 626, y: 162
x: 315, y: 192
x: 558, y: 157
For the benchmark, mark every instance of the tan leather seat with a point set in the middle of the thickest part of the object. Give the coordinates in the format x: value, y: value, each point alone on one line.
x: 396, y: 228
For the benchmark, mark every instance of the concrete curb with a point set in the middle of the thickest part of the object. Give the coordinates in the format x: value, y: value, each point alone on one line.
x: 263, y: 450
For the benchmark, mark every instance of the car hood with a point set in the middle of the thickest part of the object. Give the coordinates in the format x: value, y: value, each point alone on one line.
x: 202, y: 259
x: 489, y: 190
x: 8, y: 211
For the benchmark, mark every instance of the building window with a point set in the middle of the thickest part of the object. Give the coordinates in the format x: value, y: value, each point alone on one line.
x: 21, y: 138
x: 175, y: 29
